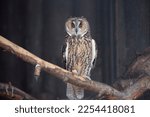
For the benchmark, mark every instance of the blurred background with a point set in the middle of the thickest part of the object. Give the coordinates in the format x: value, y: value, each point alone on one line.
x: 121, y: 29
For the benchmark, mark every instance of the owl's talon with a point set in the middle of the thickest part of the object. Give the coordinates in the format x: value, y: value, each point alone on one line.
x: 84, y: 78
x: 74, y: 72
x: 88, y: 78
x: 81, y: 78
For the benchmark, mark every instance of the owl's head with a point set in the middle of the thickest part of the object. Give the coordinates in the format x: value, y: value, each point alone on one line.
x: 77, y: 26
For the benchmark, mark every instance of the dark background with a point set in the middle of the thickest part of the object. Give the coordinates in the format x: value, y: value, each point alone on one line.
x: 121, y: 29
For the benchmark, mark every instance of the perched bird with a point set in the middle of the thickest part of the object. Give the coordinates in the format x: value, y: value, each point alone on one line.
x: 79, y: 53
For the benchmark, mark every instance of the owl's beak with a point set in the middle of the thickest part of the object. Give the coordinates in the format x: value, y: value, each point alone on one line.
x: 76, y: 30
x: 76, y: 26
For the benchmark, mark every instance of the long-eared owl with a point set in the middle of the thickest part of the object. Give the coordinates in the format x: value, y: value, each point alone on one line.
x: 79, y: 53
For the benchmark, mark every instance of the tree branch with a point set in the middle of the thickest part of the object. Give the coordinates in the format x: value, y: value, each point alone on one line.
x: 100, y: 88
x: 134, y: 88
x: 10, y: 92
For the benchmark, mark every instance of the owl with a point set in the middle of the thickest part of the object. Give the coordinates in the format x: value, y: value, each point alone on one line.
x: 79, y: 53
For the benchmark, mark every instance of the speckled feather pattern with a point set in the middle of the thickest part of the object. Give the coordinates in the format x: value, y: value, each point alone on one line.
x: 79, y: 55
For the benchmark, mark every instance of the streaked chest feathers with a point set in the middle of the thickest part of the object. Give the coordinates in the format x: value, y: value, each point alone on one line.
x: 79, y: 56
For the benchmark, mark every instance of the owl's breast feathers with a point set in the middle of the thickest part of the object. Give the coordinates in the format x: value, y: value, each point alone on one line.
x: 80, y: 55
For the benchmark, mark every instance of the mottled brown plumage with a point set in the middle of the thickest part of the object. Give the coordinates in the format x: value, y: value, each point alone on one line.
x: 79, y: 53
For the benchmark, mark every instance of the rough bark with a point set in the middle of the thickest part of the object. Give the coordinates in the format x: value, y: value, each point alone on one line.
x: 8, y: 91
x: 132, y: 90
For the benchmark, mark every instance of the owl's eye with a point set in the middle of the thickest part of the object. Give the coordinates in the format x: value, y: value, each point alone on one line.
x: 80, y: 25
x: 72, y: 25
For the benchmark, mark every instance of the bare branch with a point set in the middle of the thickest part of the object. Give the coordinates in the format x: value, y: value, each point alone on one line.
x: 133, y: 88
x: 100, y: 88
x: 138, y: 88
x: 55, y: 70
x: 10, y: 92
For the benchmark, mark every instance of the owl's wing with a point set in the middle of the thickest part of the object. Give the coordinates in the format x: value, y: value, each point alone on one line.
x: 65, y: 53
x: 94, y: 53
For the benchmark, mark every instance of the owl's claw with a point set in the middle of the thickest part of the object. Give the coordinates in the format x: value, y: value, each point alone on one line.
x: 87, y: 77
x: 76, y: 73
x: 82, y: 78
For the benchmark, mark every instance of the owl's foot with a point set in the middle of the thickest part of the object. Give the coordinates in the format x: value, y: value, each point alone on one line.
x: 87, y: 77
x: 76, y: 73
x: 84, y: 78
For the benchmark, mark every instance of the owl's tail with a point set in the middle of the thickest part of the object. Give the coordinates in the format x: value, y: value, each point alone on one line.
x: 74, y: 92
